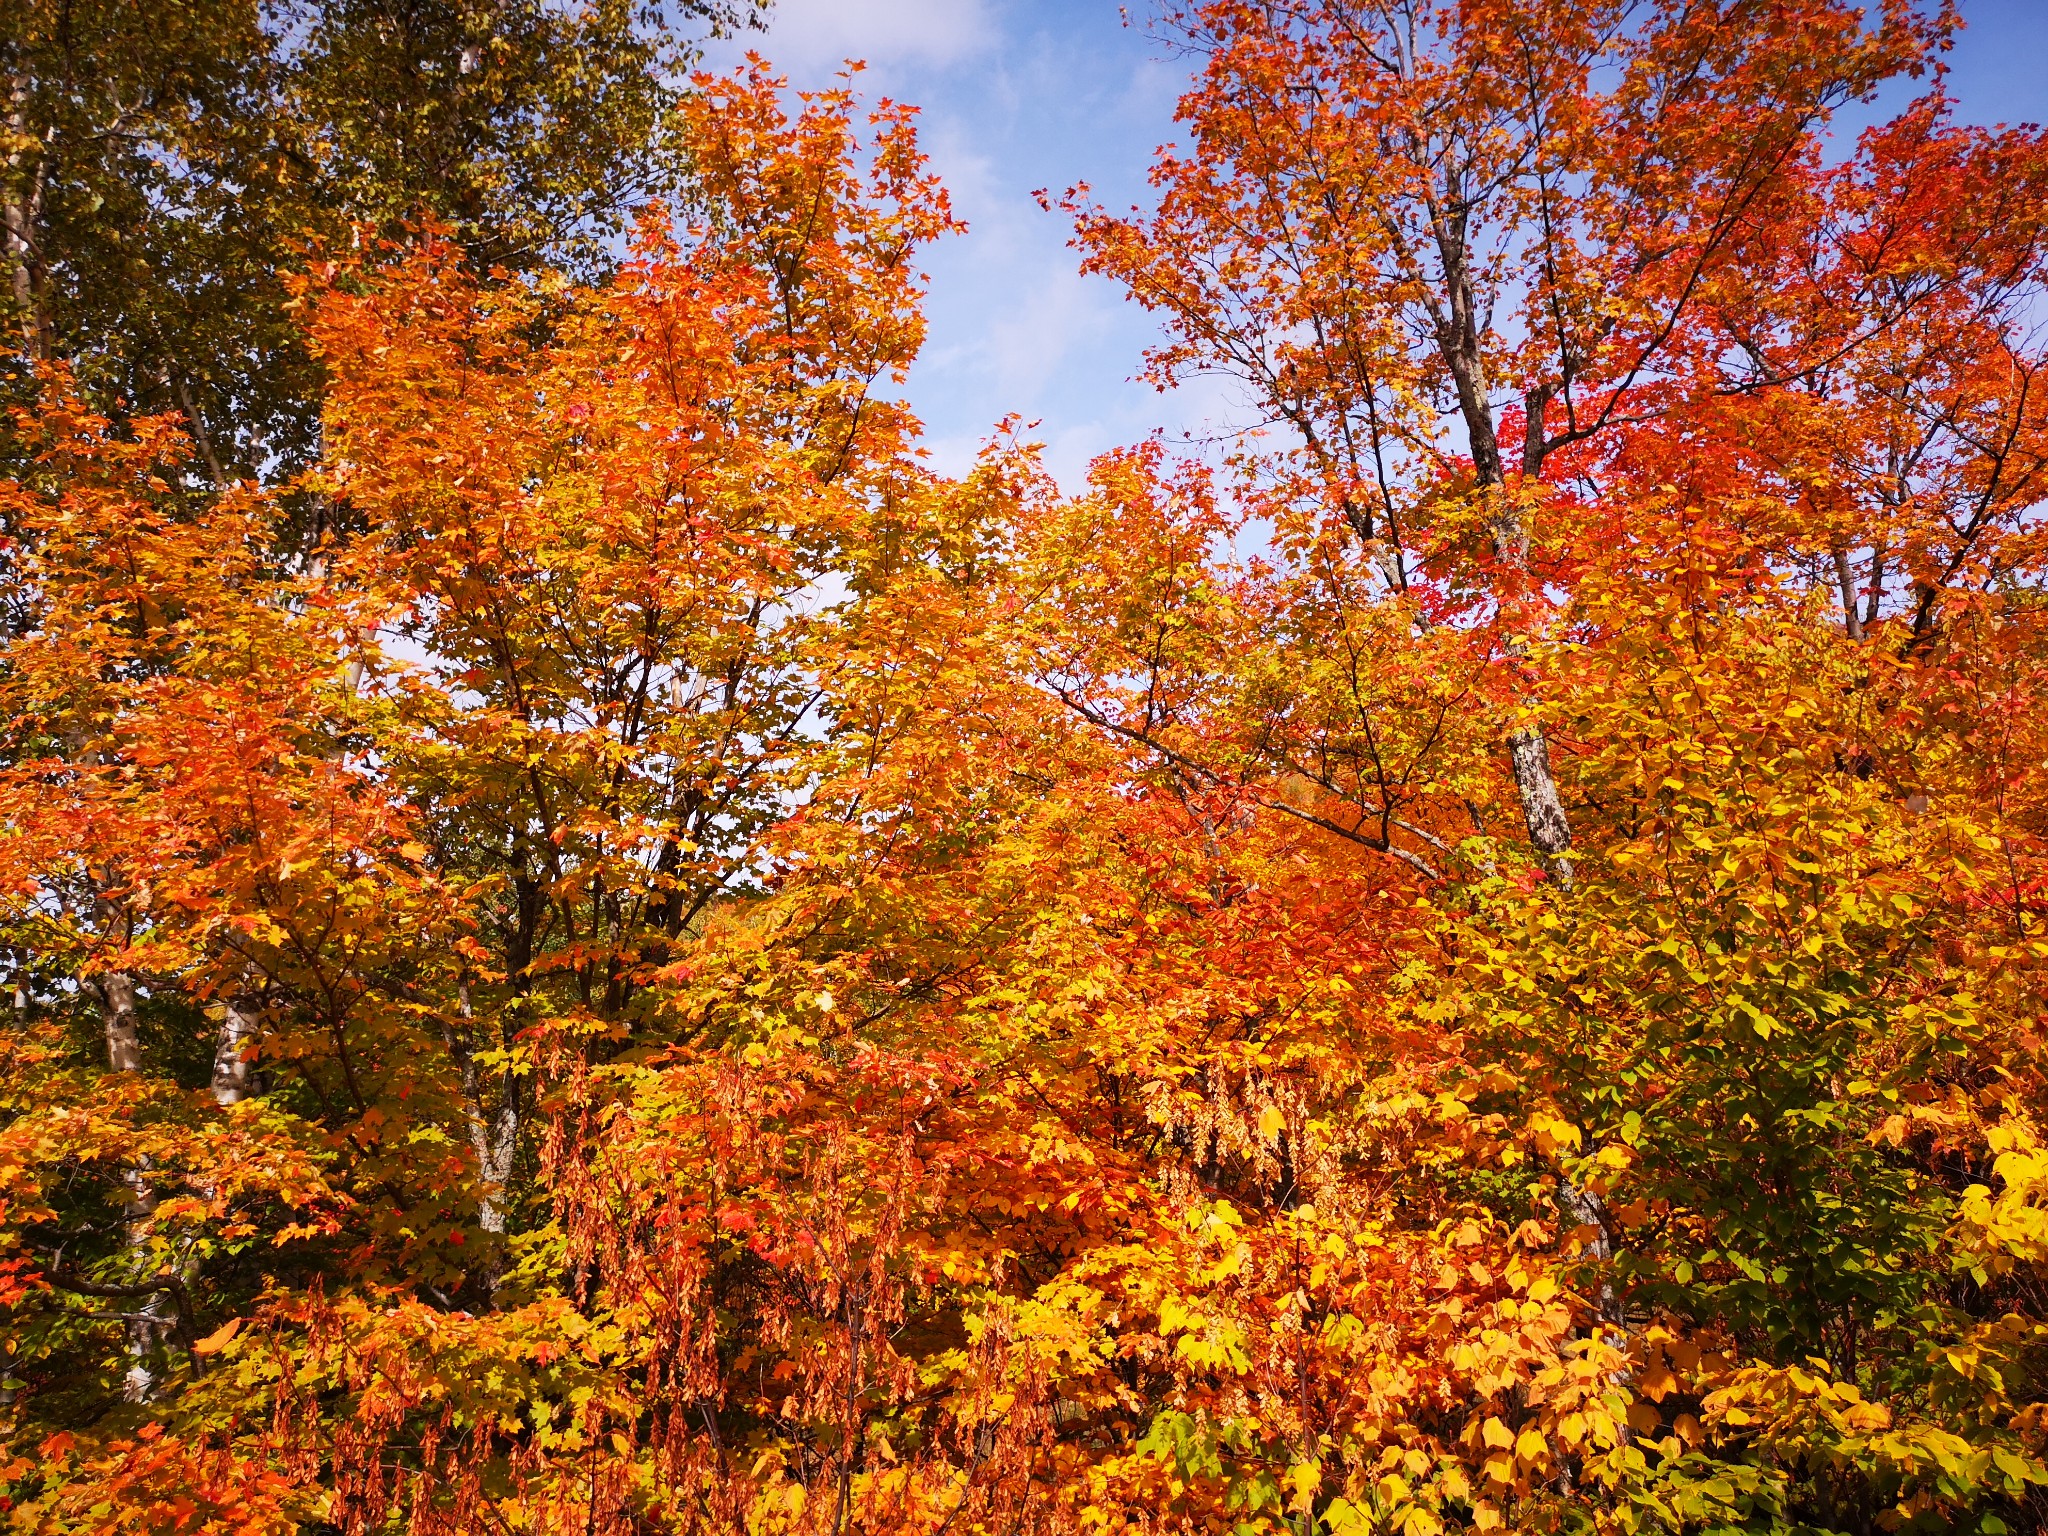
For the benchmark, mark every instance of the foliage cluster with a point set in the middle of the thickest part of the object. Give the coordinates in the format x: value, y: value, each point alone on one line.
x: 602, y: 950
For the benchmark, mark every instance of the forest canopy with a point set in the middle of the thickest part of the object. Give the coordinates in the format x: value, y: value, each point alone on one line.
x: 595, y: 948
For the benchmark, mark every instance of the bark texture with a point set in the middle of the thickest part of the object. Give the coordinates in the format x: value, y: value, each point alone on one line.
x: 149, y: 1322
x: 233, y: 1072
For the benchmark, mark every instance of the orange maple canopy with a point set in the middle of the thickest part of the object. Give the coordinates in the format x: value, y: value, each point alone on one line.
x: 677, y: 970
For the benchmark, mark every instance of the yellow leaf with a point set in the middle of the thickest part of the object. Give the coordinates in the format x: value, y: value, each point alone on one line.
x: 1305, y: 1477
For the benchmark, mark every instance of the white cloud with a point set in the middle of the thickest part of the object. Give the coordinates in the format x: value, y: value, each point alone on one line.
x: 807, y: 35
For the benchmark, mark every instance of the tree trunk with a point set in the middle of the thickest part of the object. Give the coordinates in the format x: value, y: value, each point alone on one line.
x: 116, y: 993
x: 21, y: 200
x: 494, y: 1137
x: 1458, y: 328
x: 1550, y: 829
x: 233, y: 1072
x: 1845, y: 578
x: 201, y: 438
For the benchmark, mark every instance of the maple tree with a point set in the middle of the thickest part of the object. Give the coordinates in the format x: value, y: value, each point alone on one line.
x: 1472, y: 963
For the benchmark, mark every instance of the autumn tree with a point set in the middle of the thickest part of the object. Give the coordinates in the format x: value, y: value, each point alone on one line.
x: 1473, y: 962
x: 1411, y: 228
x: 1394, y: 220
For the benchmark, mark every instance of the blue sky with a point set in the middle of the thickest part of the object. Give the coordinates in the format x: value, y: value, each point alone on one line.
x: 1022, y: 94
